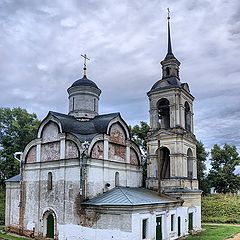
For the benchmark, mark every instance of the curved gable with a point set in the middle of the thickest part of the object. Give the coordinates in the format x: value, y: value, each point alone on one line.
x: 117, y: 134
x: 50, y: 132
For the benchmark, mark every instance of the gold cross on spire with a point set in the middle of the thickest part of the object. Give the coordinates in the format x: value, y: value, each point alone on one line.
x: 168, y: 13
x: 85, y: 64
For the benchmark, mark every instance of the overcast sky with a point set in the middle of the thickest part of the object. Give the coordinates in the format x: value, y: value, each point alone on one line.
x: 41, y: 43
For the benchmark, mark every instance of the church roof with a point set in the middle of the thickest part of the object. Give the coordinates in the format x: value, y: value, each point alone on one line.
x: 85, y: 130
x: 128, y: 196
x: 84, y: 81
x: 170, y: 82
x: 16, y: 178
x: 166, y: 83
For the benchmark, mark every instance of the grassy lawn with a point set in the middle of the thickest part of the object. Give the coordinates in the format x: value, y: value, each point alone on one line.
x: 220, y: 208
x: 4, y: 236
x: 215, y: 232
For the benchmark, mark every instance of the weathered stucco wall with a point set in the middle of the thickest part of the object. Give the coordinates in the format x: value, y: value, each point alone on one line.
x: 12, y: 203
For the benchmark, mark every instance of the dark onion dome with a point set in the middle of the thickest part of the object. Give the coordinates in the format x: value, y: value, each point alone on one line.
x: 84, y: 82
x: 166, y: 83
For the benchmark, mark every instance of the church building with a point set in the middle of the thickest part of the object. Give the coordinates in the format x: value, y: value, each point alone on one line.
x: 81, y: 178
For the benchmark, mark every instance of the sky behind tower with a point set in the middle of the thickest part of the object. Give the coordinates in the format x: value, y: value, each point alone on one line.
x: 42, y: 42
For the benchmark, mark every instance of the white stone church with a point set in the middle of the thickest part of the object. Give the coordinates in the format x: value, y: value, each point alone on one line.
x: 81, y: 177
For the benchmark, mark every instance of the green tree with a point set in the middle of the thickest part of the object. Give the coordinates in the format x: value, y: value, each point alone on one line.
x: 139, y: 136
x: 17, y: 128
x: 202, y: 155
x: 224, y: 161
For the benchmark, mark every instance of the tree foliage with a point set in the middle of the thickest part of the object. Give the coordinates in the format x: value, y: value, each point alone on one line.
x: 17, y: 128
x: 139, y: 136
x: 202, y: 155
x: 224, y: 161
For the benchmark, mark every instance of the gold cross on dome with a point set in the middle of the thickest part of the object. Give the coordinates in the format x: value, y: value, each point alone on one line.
x: 85, y: 64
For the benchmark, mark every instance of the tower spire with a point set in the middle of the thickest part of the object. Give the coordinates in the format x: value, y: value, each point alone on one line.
x: 169, y: 52
x: 85, y: 64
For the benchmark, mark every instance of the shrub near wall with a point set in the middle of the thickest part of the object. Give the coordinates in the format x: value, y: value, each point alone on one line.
x: 221, y: 208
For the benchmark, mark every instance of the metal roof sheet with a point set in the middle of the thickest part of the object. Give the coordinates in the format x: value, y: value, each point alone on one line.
x: 16, y: 178
x: 126, y: 196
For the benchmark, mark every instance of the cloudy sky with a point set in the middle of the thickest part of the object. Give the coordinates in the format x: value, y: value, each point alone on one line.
x: 41, y: 43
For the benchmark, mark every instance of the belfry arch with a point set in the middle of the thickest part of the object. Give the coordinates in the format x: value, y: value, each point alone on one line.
x: 189, y: 163
x: 163, y: 156
x: 187, y: 114
x: 163, y: 106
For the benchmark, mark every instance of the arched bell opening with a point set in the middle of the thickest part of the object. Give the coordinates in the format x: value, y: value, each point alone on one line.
x: 189, y: 164
x: 164, y: 113
x: 187, y: 116
x: 164, y: 162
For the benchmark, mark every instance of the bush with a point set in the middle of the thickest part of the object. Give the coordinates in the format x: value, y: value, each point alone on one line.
x: 221, y: 208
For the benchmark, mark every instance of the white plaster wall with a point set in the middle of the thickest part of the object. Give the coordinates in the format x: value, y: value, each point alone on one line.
x: 101, y: 172
x: 12, y: 203
x: 76, y: 232
x: 62, y: 198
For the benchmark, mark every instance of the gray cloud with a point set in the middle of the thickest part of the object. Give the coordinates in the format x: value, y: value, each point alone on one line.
x: 41, y: 43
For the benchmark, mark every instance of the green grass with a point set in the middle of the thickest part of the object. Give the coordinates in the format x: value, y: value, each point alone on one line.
x: 5, y: 236
x: 2, y: 205
x: 215, y: 232
x: 220, y: 208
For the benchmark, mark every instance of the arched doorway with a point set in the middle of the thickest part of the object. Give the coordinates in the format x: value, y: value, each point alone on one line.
x: 50, y: 226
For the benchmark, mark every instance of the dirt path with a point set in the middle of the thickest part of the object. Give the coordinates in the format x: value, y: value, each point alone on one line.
x: 236, y: 237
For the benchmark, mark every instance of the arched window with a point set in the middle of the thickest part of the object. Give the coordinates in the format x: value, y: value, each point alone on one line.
x: 167, y: 71
x: 116, y: 179
x: 187, y: 117
x: 164, y: 157
x: 164, y: 113
x: 189, y: 163
x: 50, y: 185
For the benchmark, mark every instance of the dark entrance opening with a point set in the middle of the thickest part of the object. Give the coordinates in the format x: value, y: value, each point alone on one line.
x: 50, y: 226
x: 190, y: 221
x: 179, y: 226
x: 158, y: 228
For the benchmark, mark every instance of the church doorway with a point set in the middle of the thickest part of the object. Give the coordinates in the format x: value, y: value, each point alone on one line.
x: 50, y: 226
x: 179, y: 226
x: 159, y: 228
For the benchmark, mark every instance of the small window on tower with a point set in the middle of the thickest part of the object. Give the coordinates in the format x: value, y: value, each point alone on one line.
x: 167, y: 71
x: 50, y: 181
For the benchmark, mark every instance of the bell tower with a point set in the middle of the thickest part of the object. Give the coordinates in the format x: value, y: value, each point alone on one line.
x: 171, y: 142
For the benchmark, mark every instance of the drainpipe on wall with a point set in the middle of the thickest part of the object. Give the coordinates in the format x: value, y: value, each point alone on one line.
x: 18, y: 157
